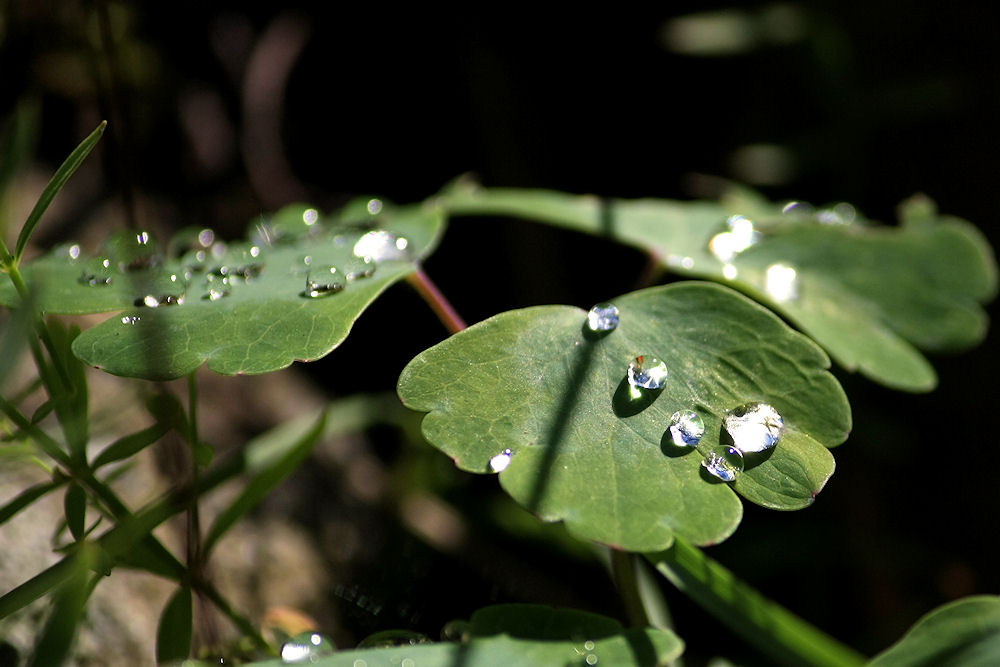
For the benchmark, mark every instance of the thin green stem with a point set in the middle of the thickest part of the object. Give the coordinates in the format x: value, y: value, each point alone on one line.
x: 193, y: 519
x: 624, y: 573
x: 436, y: 300
x: 767, y: 625
x: 43, y: 439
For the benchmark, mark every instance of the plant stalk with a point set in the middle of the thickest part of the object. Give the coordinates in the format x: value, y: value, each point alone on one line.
x: 437, y: 301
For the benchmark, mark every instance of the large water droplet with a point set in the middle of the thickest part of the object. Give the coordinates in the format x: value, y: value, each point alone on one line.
x: 500, y: 462
x: 153, y: 301
x: 686, y: 428
x: 382, y: 246
x: 724, y: 462
x: 307, y: 647
x: 740, y: 236
x: 781, y: 282
x: 646, y: 372
x: 357, y: 268
x: 131, y: 251
x: 323, y: 281
x: 603, y: 317
x: 754, y: 427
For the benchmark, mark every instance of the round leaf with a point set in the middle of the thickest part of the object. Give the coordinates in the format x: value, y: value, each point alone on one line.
x: 583, y: 450
x: 249, y: 308
x: 870, y: 295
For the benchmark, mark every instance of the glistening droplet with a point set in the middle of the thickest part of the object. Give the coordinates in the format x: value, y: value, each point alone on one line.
x: 646, y: 372
x: 500, y: 462
x: 724, y: 462
x: 153, y: 301
x: 306, y: 647
x: 98, y: 273
x: 781, y: 282
x: 686, y: 428
x: 741, y: 235
x: 603, y: 317
x: 754, y: 427
x: 322, y: 281
x: 357, y: 268
x: 382, y: 246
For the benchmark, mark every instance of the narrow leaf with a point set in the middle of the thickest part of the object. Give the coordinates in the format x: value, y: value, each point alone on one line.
x: 75, y: 503
x: 25, y: 498
x: 963, y: 633
x: 284, y: 450
x: 173, y: 636
x: 130, y: 445
x: 58, y: 180
x: 771, y: 628
x: 56, y: 639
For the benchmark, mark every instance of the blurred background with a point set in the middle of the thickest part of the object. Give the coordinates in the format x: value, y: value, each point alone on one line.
x: 221, y: 111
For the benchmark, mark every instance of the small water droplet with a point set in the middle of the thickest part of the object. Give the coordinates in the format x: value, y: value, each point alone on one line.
x: 798, y: 209
x: 131, y: 251
x: 603, y: 317
x: 740, y: 236
x: 359, y: 663
x: 322, y: 281
x: 686, y: 428
x: 310, y: 216
x: 408, y: 662
x: 500, y: 462
x: 729, y: 272
x: 153, y: 301
x: 306, y: 647
x: 781, y: 282
x: 592, y: 659
x: 754, y: 427
x: 724, y: 462
x: 214, y: 292
x: 382, y: 246
x: 357, y: 268
x: 839, y: 214
x: 374, y: 206
x: 646, y: 372
x: 130, y: 319
x: 588, y: 645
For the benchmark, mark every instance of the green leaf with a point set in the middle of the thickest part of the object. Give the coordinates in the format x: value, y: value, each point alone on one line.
x: 870, y: 295
x: 537, y: 382
x: 27, y: 497
x: 257, y: 319
x: 277, y: 454
x: 129, y: 445
x: 963, y: 633
x: 75, y: 503
x: 173, y: 636
x: 56, y: 639
x: 766, y: 625
x: 521, y: 634
x: 68, y: 167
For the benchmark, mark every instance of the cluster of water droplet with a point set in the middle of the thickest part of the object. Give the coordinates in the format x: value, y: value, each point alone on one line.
x: 307, y: 647
x: 753, y: 427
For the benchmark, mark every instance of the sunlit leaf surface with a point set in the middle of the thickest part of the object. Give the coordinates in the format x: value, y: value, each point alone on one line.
x: 587, y: 449
x: 965, y: 632
x: 246, y: 307
x: 870, y: 295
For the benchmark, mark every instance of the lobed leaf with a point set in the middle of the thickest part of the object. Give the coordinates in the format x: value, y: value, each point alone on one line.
x: 869, y: 295
x: 537, y: 382
x: 242, y: 307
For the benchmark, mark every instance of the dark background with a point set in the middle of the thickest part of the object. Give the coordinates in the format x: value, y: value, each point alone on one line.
x: 220, y: 112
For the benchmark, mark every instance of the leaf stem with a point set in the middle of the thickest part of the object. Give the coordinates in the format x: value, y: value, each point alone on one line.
x: 765, y: 624
x: 624, y: 573
x: 437, y: 301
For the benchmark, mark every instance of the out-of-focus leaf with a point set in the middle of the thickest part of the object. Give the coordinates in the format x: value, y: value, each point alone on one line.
x: 173, y: 636
x: 537, y: 382
x: 871, y: 295
x: 129, y: 445
x: 75, y: 504
x: 963, y: 633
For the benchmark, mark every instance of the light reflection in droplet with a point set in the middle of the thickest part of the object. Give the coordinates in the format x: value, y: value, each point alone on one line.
x: 374, y: 206
x: 206, y: 237
x: 500, y: 462
x: 781, y: 282
x: 310, y: 216
x: 729, y: 272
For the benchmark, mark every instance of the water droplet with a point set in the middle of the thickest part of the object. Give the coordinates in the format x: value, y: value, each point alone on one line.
x: 359, y: 663
x: 500, y: 462
x: 408, y: 662
x: 740, y: 236
x: 798, y: 209
x: 754, y: 427
x: 646, y: 372
x: 588, y: 645
x: 591, y: 659
x: 724, y: 462
x: 153, y: 301
x: 310, y: 216
x: 357, y: 268
x: 131, y: 251
x: 307, y: 647
x: 839, y: 214
x: 382, y: 246
x: 216, y: 291
x: 603, y: 317
x: 70, y: 251
x: 686, y: 428
x: 323, y: 281
x: 387, y: 638
x: 98, y: 273
x: 729, y: 272
x: 130, y: 319
x: 374, y: 206
x: 781, y: 282
x: 678, y: 261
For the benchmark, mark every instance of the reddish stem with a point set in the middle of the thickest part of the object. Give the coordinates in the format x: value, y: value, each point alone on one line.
x: 436, y: 300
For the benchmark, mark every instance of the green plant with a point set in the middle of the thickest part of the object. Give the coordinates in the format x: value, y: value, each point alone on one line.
x: 576, y: 413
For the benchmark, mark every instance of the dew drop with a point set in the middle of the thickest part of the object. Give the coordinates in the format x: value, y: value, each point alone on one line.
x: 729, y: 272
x: 603, y: 317
x: 741, y: 235
x: 310, y: 216
x: 724, y: 462
x: 500, y: 462
x: 374, y: 206
x: 131, y: 251
x: 591, y: 659
x: 306, y: 647
x: 382, y: 246
x: 130, y: 319
x: 646, y: 372
x: 214, y: 292
x: 686, y: 428
x: 98, y: 273
x: 357, y: 268
x: 781, y: 282
x: 322, y: 281
x: 754, y: 427
x: 588, y: 645
x: 153, y: 301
